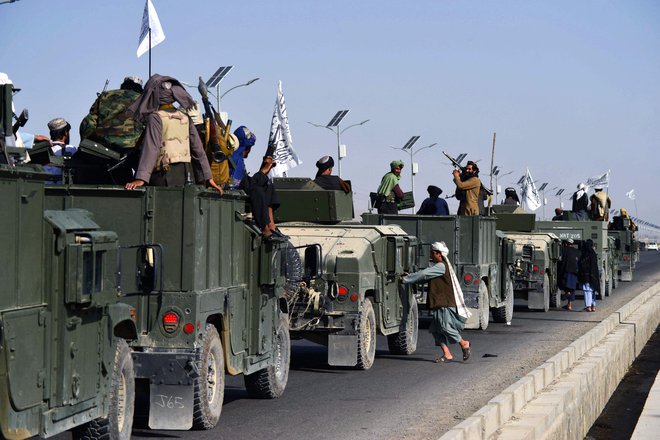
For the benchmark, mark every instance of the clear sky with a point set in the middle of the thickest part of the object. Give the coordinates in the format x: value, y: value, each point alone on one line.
x: 571, y: 87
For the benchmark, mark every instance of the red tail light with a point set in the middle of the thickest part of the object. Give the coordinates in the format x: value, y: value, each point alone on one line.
x: 625, y: 258
x: 354, y: 297
x: 170, y: 322
x: 188, y: 328
x: 467, y: 278
x: 342, y: 293
x: 535, y: 268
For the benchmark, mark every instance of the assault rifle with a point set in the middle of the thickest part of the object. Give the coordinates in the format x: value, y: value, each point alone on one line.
x: 462, y: 168
x: 20, y: 121
x: 214, y: 134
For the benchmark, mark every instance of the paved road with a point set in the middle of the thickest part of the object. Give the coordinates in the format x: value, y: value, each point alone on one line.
x: 407, y: 397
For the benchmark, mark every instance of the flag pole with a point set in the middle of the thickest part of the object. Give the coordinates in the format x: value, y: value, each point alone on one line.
x: 149, y: 53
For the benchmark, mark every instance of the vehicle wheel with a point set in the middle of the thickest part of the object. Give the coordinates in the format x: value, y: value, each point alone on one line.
x: 615, y: 279
x: 119, y: 424
x: 601, y: 290
x: 484, y: 308
x: 504, y: 314
x: 366, y: 337
x: 546, y: 293
x: 293, y: 269
x: 607, y: 288
x: 555, y: 297
x: 270, y: 382
x: 209, y: 387
x: 405, y: 341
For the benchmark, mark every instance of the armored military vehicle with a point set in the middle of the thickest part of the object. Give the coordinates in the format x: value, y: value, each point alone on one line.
x: 64, y: 360
x: 208, y: 293
x: 535, y: 277
x: 357, y: 293
x: 483, y: 258
x: 626, y: 247
x: 580, y: 231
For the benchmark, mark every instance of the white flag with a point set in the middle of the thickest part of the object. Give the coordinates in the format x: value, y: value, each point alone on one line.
x: 631, y: 194
x: 602, y: 180
x: 530, y: 196
x: 151, y: 22
x: 284, y: 155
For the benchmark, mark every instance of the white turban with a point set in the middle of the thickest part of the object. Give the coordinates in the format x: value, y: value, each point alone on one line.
x: 441, y: 247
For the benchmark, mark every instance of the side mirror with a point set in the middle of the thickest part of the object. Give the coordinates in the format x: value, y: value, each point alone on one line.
x: 313, y: 262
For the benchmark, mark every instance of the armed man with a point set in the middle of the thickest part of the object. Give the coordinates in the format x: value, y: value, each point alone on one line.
x: 172, y: 152
x: 468, y: 188
x: 600, y: 205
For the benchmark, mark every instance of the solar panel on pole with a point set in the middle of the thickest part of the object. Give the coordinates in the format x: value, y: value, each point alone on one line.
x: 543, y: 186
x: 460, y: 157
x: 560, y: 192
x: 218, y: 75
x: 336, y: 119
x: 410, y: 143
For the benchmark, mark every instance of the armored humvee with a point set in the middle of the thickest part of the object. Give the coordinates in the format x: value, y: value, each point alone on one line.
x: 64, y: 360
x: 208, y: 294
x: 580, y: 231
x: 535, y: 277
x: 483, y: 258
x: 626, y: 247
x: 357, y: 294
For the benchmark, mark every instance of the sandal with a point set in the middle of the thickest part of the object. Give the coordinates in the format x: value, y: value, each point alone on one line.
x: 442, y: 359
x: 466, y: 352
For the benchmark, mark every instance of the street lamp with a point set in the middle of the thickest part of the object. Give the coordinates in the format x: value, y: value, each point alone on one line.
x: 408, y: 147
x: 542, y: 189
x: 334, y: 126
x: 215, y: 79
x: 558, y: 195
x: 240, y: 85
x: 497, y: 172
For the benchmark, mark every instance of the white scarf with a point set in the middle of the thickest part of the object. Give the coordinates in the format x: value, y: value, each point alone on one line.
x: 461, y: 308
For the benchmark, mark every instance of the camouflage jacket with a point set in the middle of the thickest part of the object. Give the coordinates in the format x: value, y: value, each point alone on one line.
x: 110, y: 124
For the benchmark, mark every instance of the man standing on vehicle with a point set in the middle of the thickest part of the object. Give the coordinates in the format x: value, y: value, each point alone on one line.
x: 172, y: 152
x: 389, y: 192
x: 445, y: 301
x: 434, y: 205
x: 60, y: 131
x: 580, y: 202
x: 467, y: 189
x: 600, y: 205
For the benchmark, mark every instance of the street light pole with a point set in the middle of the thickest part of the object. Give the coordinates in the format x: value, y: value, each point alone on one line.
x: 235, y: 87
x: 334, y: 126
x: 408, y: 147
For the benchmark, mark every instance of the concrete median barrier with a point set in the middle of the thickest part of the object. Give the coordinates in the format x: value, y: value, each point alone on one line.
x: 563, y: 397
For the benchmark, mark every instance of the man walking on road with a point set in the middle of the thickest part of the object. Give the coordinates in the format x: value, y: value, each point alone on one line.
x: 445, y: 300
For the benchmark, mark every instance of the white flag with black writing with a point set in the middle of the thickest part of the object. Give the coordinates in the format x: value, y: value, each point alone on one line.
x: 150, y: 22
x: 280, y: 134
x: 602, y: 180
x: 631, y: 194
x: 530, y: 196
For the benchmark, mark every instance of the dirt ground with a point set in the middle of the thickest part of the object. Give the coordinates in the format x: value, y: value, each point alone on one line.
x: 618, y: 419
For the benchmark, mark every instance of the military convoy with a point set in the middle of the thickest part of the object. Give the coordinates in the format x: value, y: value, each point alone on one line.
x: 356, y: 294
x: 535, y: 276
x: 483, y: 258
x: 626, y: 249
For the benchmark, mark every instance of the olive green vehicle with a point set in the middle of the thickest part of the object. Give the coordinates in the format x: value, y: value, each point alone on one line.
x: 356, y: 293
x: 64, y: 360
x: 483, y: 258
x: 626, y: 247
x: 535, y: 276
x: 580, y: 231
x: 208, y: 294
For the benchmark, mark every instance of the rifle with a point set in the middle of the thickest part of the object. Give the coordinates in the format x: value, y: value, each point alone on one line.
x: 214, y: 135
x: 462, y: 168
x: 20, y: 121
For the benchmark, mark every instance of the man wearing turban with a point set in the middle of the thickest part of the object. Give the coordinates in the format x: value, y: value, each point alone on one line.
x: 445, y: 301
x: 326, y: 180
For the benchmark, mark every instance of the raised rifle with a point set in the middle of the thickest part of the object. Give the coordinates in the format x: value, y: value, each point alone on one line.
x: 214, y: 135
x: 20, y: 121
x: 462, y: 168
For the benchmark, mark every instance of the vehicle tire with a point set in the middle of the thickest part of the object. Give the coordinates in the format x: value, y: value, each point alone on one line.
x: 601, y: 290
x: 119, y: 424
x: 546, y: 293
x: 484, y: 307
x: 209, y: 387
x: 270, y: 382
x: 555, y: 297
x: 405, y: 341
x: 293, y: 269
x: 366, y: 337
x: 504, y: 314
x: 615, y: 279
x: 608, y: 289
